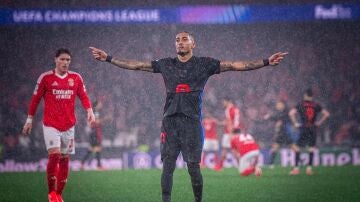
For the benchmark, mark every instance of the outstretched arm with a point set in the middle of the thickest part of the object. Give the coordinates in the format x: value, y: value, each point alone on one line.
x: 251, y: 65
x: 121, y: 63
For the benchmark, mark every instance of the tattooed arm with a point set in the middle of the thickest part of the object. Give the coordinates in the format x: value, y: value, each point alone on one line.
x: 251, y: 65
x: 121, y: 63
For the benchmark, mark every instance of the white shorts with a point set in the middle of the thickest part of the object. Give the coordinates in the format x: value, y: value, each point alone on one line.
x: 211, y: 145
x: 248, y: 159
x: 57, y: 139
x: 225, y: 141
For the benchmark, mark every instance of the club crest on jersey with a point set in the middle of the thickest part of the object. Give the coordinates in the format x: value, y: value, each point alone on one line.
x: 71, y: 82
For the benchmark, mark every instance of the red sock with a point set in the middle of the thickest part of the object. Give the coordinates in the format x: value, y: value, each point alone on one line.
x: 62, y: 174
x: 216, y: 159
x: 51, y: 170
x: 221, y: 163
x: 248, y: 171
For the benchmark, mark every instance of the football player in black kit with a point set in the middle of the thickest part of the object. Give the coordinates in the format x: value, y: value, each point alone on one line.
x: 95, y: 137
x: 283, y: 134
x: 308, y: 111
x: 185, y: 77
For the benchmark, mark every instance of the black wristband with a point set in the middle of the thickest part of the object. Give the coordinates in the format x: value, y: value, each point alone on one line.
x: 266, y: 62
x: 108, y: 58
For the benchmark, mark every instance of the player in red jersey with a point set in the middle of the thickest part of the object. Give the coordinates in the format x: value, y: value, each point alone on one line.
x: 58, y: 87
x: 232, y: 124
x: 246, y: 152
x: 211, y: 142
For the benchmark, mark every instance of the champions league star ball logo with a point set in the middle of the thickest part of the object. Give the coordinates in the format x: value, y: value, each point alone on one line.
x: 71, y: 82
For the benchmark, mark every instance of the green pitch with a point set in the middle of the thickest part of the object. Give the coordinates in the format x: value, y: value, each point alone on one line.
x: 328, y: 184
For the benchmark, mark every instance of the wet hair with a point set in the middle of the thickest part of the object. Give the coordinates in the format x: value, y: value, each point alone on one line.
x: 190, y: 35
x: 309, y: 92
x: 61, y: 51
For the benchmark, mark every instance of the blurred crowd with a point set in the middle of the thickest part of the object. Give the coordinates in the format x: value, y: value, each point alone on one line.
x: 322, y: 56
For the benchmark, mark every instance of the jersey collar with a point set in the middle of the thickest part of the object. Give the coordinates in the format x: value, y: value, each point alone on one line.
x: 60, y: 76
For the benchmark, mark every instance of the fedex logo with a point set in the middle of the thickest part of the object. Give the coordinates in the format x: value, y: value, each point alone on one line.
x: 336, y: 11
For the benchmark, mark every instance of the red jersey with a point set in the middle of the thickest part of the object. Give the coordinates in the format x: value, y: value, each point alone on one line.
x: 59, y: 94
x: 232, y: 116
x: 243, y: 143
x: 210, y: 128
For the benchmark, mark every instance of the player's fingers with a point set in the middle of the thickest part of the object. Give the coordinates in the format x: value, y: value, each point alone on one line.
x: 93, y: 48
x: 26, y: 130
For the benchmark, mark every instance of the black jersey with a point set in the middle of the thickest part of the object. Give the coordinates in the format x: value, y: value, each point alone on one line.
x: 185, y: 82
x: 308, y: 111
x: 281, y: 116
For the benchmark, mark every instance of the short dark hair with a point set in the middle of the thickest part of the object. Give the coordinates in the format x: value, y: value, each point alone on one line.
x: 61, y: 51
x: 190, y: 35
x: 309, y: 92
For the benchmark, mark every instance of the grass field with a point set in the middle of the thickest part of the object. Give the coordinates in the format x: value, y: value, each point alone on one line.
x: 328, y: 184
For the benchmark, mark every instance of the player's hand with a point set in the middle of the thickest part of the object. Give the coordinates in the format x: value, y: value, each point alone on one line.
x: 98, y: 54
x: 297, y: 125
x: 91, y: 118
x: 27, y: 129
x: 276, y: 58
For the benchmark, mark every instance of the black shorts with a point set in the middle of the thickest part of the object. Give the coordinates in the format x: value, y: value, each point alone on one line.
x: 94, y: 140
x: 180, y: 133
x: 307, y: 137
x: 282, y: 138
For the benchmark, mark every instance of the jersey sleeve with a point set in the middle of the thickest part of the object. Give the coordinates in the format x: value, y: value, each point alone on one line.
x: 81, y: 92
x: 39, y: 92
x: 156, y: 65
x: 213, y: 66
